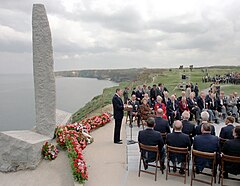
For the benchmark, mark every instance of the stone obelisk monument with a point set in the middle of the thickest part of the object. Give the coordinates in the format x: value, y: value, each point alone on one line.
x: 44, y: 80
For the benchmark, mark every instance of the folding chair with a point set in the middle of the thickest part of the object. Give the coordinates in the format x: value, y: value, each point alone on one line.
x: 177, y: 150
x: 164, y: 136
x: 229, y: 159
x: 149, y: 149
x: 207, y: 155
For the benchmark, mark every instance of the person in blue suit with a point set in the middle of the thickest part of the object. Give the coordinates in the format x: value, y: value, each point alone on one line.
x: 205, y: 143
x: 152, y: 138
x: 118, y: 108
x: 227, y: 132
x: 232, y: 148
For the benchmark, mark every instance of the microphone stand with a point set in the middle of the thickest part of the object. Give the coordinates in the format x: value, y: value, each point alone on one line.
x: 131, y: 141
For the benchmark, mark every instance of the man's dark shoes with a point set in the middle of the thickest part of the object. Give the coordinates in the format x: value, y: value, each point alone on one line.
x: 130, y: 125
x: 174, y: 169
x: 119, y: 142
x: 181, y: 171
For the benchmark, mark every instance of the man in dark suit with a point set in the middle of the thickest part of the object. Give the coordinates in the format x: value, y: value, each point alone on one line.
x: 188, y: 127
x: 193, y: 107
x: 173, y: 110
x: 178, y: 139
x: 161, y: 125
x: 232, y: 148
x: 205, y: 117
x: 139, y: 94
x: 153, y: 94
x: 205, y: 143
x: 118, y: 108
x: 227, y: 132
x: 134, y: 112
x: 152, y: 138
x: 201, y: 101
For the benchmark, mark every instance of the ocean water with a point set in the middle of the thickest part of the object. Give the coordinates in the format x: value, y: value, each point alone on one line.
x: 17, y: 105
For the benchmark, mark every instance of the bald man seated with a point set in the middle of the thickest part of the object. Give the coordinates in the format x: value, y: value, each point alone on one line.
x: 205, y: 143
x: 178, y: 139
x: 161, y: 125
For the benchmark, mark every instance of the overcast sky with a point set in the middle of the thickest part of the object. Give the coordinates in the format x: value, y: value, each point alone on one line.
x: 91, y: 34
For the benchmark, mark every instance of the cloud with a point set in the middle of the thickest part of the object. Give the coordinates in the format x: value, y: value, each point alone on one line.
x: 123, y: 34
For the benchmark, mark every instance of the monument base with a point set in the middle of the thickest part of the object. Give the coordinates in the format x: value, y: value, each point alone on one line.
x: 20, y: 150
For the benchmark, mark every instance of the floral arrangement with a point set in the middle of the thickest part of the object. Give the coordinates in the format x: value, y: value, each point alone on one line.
x: 75, y: 137
x: 97, y: 121
x: 49, y: 151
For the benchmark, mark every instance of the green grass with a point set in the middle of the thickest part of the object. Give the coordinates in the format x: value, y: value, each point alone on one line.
x: 170, y: 79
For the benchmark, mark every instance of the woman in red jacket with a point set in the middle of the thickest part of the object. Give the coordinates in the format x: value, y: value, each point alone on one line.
x: 159, y: 104
x: 183, y: 105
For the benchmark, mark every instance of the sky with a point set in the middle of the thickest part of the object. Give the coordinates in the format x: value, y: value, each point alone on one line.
x: 103, y: 34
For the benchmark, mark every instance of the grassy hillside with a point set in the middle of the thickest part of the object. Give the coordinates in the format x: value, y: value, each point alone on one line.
x: 170, y: 77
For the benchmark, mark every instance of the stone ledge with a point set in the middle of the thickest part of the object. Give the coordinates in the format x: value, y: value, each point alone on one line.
x: 20, y: 150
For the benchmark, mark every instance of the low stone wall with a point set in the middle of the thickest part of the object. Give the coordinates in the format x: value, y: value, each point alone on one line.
x: 20, y: 150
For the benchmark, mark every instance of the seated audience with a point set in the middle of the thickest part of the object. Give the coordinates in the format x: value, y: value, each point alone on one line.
x: 205, y: 118
x: 222, y: 103
x: 166, y: 97
x: 152, y: 138
x: 212, y: 106
x: 158, y: 104
x: 227, y: 132
x: 188, y: 127
x: 205, y: 143
x: 135, y: 108
x: 161, y: 125
x: 178, y: 139
x: 232, y: 148
x: 201, y: 101
x: 193, y: 107
x: 232, y: 106
x: 183, y: 105
x: 172, y: 110
x: 145, y: 110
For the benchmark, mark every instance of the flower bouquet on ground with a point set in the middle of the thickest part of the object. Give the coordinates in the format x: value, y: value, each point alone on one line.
x: 49, y: 151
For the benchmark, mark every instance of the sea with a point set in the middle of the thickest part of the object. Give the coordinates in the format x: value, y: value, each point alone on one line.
x: 17, y: 104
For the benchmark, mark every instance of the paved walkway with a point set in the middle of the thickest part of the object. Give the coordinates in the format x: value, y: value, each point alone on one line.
x: 106, y: 160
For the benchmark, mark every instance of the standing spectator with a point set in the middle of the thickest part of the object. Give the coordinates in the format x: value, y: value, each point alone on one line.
x: 196, y: 90
x: 125, y: 95
x: 139, y: 94
x: 153, y: 94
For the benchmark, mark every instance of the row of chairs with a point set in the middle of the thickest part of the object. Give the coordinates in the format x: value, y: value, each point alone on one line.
x: 186, y: 153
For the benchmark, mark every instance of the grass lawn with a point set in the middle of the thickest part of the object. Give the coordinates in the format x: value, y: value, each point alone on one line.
x: 170, y: 78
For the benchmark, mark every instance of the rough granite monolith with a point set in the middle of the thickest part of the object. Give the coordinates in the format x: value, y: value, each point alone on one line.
x: 44, y: 80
